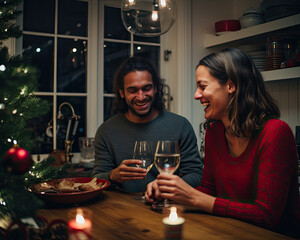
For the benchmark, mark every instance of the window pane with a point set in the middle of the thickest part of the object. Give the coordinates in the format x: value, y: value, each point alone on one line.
x: 146, y: 39
x: 39, y: 15
x: 114, y: 55
x: 113, y: 25
x: 72, y: 17
x: 71, y: 65
x: 108, y: 107
x: 149, y: 52
x: 79, y: 106
x: 40, y: 51
x: 42, y: 129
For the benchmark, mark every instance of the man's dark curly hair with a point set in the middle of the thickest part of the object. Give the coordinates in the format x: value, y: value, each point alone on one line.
x: 131, y: 65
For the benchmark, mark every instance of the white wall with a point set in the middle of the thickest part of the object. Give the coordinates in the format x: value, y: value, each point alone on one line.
x: 287, y: 95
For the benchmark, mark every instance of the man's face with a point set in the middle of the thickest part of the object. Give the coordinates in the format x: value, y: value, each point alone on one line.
x: 139, y: 93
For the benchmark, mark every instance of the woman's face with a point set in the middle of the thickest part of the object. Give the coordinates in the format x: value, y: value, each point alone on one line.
x: 213, y: 96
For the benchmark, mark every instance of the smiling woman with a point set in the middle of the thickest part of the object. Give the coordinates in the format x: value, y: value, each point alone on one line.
x: 250, y: 155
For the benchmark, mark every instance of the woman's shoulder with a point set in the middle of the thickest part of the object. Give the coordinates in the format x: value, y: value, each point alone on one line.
x: 276, y: 124
x: 172, y: 118
x: 277, y: 127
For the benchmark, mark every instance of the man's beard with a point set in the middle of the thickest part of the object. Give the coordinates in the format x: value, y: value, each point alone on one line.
x: 131, y: 108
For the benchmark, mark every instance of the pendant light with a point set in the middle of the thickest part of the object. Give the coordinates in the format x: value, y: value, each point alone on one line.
x: 148, y: 18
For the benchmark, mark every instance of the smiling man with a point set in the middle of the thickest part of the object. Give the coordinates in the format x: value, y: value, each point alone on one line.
x: 140, y: 105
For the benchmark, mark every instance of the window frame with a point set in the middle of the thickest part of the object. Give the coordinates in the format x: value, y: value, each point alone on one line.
x: 95, y: 64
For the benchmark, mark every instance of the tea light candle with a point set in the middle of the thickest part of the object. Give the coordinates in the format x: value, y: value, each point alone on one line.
x: 173, y: 225
x: 80, y: 225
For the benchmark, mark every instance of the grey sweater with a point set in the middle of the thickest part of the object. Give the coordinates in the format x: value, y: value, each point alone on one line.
x: 115, y: 138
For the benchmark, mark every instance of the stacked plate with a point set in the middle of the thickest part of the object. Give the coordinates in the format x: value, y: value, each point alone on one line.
x: 257, y: 53
x: 273, y: 62
x: 259, y: 59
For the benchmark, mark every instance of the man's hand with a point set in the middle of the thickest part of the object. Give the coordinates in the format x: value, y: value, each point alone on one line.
x: 124, y: 172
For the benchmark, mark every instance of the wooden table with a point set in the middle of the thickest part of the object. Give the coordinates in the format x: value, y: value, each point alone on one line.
x: 117, y: 216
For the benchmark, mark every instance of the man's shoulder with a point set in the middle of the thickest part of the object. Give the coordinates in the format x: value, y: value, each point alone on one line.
x: 116, y: 118
x: 113, y: 122
x: 173, y: 116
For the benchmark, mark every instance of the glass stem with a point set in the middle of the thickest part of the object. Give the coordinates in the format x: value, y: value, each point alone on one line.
x: 144, y: 187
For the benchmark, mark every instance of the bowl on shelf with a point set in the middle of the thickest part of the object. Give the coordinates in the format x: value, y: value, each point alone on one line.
x: 251, y: 20
x: 227, y: 26
x: 253, y: 10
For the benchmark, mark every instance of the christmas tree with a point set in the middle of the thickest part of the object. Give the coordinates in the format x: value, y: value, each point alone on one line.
x: 18, y: 105
x: 18, y: 81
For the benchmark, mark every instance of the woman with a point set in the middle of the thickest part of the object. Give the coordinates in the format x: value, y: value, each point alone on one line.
x: 250, y: 159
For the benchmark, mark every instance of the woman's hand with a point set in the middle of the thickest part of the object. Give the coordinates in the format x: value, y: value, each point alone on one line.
x: 153, y: 193
x: 176, y: 189
x: 172, y: 187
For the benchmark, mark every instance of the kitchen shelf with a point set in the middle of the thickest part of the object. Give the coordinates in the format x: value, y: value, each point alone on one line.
x: 280, y: 74
x: 211, y: 40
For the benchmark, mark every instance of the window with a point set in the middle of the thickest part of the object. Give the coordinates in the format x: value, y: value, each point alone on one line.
x: 55, y: 39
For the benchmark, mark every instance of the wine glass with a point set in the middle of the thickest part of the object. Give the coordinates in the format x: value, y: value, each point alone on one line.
x: 167, y: 159
x: 143, y: 150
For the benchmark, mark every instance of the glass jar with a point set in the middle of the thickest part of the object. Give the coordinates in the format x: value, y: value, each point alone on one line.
x: 275, y: 46
x: 290, y: 53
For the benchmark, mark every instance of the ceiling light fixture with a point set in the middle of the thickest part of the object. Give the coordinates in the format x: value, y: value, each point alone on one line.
x: 148, y: 18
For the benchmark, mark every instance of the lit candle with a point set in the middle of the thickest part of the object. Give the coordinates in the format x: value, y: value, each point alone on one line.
x: 80, y: 225
x: 173, y: 225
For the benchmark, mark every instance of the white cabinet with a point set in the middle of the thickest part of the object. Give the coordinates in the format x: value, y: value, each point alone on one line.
x: 257, y: 33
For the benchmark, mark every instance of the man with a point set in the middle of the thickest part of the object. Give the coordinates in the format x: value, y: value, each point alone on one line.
x: 140, y: 103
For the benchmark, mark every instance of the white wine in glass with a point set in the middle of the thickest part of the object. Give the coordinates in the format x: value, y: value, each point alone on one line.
x: 143, y: 150
x: 167, y: 158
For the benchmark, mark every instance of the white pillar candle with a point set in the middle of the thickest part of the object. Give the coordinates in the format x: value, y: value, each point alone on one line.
x: 173, y: 225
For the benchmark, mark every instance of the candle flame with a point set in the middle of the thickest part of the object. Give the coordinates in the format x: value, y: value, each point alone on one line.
x: 80, y: 219
x: 173, y: 215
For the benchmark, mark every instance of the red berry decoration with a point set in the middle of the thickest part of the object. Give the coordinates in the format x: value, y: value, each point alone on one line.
x: 17, y: 160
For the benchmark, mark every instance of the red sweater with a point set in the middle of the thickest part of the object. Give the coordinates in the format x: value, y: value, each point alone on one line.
x: 260, y: 186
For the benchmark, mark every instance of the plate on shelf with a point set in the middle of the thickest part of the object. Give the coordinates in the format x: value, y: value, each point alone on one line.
x: 71, y: 197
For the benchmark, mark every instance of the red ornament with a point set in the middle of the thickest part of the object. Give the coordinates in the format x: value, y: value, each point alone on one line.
x: 17, y: 160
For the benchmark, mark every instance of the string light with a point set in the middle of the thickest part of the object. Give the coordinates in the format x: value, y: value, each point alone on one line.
x: 23, y: 91
x: 2, y: 68
x: 2, y: 202
x: 14, y: 111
